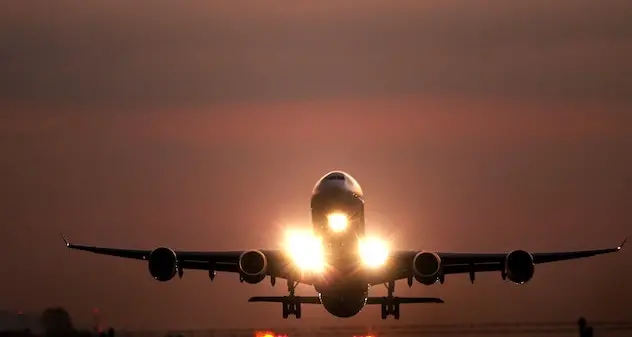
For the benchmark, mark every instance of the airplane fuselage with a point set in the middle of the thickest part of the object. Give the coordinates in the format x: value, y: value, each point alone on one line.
x: 343, y: 290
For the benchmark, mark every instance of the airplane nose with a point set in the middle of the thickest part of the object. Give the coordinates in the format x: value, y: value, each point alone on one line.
x: 337, y: 182
x: 331, y: 186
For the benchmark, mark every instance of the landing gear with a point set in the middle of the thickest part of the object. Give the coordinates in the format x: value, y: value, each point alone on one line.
x: 390, y: 305
x: 292, y: 308
x: 291, y: 304
x: 390, y: 309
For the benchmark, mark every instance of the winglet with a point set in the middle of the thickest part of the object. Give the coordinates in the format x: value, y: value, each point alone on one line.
x: 622, y: 244
x: 65, y: 241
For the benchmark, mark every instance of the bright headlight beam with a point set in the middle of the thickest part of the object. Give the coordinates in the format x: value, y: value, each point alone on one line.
x: 373, y: 252
x: 306, y: 251
x: 337, y: 222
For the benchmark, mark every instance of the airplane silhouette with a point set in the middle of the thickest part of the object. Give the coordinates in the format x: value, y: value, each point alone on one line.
x: 339, y: 260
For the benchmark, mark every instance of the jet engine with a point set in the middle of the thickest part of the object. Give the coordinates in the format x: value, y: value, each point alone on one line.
x: 427, y: 280
x: 163, y: 264
x: 519, y: 266
x: 253, y: 266
x: 426, y: 267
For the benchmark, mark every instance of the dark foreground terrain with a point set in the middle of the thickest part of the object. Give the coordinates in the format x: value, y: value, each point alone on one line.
x: 56, y: 322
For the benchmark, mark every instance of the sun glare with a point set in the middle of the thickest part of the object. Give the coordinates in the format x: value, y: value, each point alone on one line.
x: 306, y: 250
x: 373, y: 252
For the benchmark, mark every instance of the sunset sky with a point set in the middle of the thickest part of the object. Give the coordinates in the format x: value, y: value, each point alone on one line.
x: 471, y: 126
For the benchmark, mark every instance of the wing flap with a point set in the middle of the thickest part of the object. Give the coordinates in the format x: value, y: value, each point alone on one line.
x: 281, y: 299
x: 404, y: 300
x: 200, y: 265
x: 465, y: 268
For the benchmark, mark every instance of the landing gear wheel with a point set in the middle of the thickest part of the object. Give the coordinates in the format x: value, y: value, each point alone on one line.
x: 384, y: 311
x: 292, y: 307
x: 390, y: 310
x: 395, y: 311
x: 286, y: 311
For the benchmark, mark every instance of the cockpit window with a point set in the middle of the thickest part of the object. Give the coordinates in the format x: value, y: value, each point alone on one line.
x: 336, y: 177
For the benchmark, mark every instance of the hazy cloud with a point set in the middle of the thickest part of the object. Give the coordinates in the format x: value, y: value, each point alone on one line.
x: 166, y: 53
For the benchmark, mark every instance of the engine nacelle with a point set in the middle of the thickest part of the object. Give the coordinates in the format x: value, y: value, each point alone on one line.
x: 163, y: 264
x: 519, y: 266
x: 427, y: 280
x: 253, y: 266
x: 426, y: 267
x: 252, y: 279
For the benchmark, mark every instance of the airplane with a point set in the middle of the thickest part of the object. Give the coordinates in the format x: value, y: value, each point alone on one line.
x: 339, y: 260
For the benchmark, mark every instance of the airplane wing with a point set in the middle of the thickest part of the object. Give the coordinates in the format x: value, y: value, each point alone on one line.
x: 401, y: 266
x: 220, y: 261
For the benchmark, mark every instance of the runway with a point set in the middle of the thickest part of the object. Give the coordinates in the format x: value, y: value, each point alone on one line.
x: 601, y: 329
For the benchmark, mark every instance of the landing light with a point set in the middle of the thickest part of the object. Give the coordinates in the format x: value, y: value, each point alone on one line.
x: 373, y: 252
x: 337, y: 222
x: 306, y: 250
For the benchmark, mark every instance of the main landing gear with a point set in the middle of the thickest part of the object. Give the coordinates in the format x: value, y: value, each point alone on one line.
x: 390, y: 306
x: 291, y: 304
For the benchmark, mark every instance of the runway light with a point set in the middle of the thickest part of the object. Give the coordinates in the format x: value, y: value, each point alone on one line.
x: 306, y: 251
x: 373, y: 252
x: 337, y: 222
x: 268, y: 334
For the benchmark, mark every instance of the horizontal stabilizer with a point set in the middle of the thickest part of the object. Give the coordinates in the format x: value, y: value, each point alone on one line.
x: 404, y: 300
x: 281, y: 299
x: 370, y: 300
